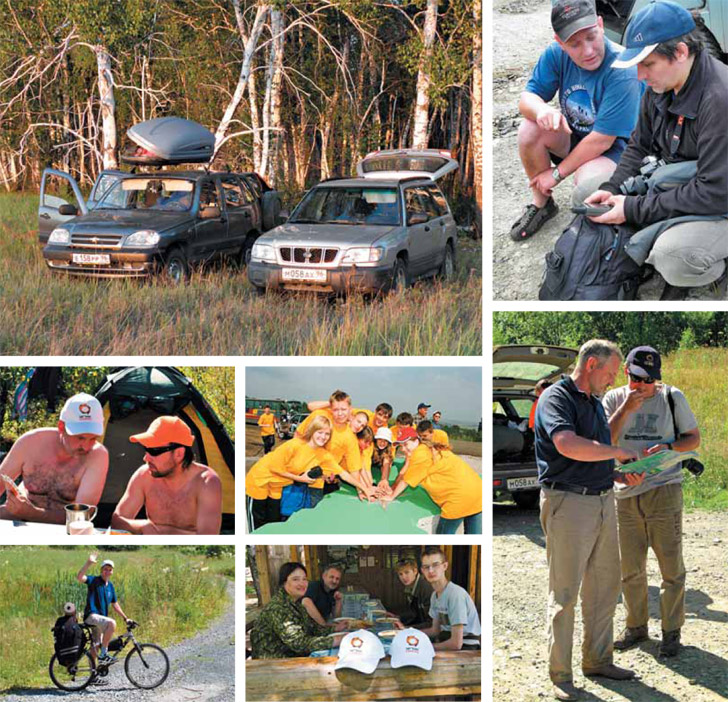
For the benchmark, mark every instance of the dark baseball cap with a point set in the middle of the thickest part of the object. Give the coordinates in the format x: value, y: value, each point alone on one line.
x: 655, y: 23
x: 422, y: 404
x: 570, y: 16
x: 645, y: 362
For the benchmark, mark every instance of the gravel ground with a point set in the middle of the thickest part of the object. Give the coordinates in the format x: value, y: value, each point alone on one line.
x: 517, y: 268
x: 202, y: 670
x: 698, y: 674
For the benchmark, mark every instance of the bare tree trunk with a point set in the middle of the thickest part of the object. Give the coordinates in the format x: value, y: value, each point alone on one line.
x: 422, y: 104
x: 108, y: 107
x: 274, y: 66
x: 476, y: 121
x: 277, y: 21
x: 250, y: 46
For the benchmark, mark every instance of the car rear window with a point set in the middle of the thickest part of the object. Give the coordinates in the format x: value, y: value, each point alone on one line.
x: 354, y: 206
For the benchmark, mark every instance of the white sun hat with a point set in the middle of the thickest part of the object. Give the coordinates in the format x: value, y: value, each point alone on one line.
x: 360, y: 650
x: 412, y: 647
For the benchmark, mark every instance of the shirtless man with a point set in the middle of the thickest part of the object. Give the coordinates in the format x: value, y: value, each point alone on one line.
x: 57, y: 466
x: 180, y: 496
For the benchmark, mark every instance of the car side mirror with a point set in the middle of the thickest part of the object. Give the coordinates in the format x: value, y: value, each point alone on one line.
x: 210, y: 212
x: 417, y: 218
x: 68, y: 210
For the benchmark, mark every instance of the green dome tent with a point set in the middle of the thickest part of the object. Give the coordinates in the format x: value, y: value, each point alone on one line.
x: 134, y: 397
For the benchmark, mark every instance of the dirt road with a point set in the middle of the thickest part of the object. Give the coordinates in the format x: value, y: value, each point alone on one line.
x: 521, y: 31
x: 520, y: 578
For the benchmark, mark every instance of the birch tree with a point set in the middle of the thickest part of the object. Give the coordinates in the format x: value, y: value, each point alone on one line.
x: 422, y: 100
x: 476, y: 117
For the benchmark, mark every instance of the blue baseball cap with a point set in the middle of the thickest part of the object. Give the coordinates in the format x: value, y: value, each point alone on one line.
x: 659, y: 21
x: 645, y: 362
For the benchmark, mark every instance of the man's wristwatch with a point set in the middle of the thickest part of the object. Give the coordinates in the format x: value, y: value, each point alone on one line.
x: 556, y: 175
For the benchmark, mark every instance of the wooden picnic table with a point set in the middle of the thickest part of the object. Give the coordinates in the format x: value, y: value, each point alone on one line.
x: 454, y: 673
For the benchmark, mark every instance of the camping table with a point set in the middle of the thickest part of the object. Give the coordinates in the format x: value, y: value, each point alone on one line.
x: 454, y: 673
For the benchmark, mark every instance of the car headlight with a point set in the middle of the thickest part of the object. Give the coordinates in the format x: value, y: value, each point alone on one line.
x: 263, y: 252
x: 368, y: 255
x: 59, y: 236
x: 144, y: 237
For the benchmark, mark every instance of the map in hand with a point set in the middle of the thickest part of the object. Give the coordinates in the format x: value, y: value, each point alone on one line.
x: 657, y: 462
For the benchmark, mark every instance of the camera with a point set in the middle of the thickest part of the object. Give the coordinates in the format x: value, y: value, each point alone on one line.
x: 637, y: 185
x: 315, y: 472
x: 694, y: 466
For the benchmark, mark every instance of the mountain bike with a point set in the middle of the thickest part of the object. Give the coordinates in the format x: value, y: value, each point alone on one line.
x: 146, y: 665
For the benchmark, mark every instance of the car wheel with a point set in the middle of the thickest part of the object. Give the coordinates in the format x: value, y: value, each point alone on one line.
x: 400, y: 277
x: 176, y: 270
x: 527, y: 499
x: 447, y: 269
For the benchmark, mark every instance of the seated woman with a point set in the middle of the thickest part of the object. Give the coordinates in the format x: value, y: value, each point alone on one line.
x: 289, y: 463
x: 450, y: 482
x: 284, y: 629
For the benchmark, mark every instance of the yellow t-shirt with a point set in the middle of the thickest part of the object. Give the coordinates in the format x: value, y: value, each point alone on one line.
x: 266, y: 422
x: 342, y: 445
x: 439, y: 436
x: 451, y: 483
x: 294, y: 456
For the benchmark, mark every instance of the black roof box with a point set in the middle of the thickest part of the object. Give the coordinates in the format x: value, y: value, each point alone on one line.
x: 168, y: 140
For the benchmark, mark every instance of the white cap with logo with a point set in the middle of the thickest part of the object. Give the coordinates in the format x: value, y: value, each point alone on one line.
x: 107, y: 563
x: 82, y: 414
x: 360, y: 650
x: 412, y: 647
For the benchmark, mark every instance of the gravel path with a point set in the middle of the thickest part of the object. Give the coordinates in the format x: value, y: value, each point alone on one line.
x: 521, y: 31
x: 202, y: 670
x: 520, y: 579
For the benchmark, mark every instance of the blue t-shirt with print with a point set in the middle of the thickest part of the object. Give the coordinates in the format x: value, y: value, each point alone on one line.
x: 605, y: 100
x: 99, y: 596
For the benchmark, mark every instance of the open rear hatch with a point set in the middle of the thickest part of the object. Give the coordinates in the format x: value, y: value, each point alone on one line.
x: 403, y: 163
x: 168, y: 140
x: 521, y: 367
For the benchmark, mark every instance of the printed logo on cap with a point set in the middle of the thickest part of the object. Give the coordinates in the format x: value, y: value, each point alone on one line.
x: 413, y: 641
x: 84, y: 409
x: 649, y: 360
x: 356, y: 642
x: 638, y: 37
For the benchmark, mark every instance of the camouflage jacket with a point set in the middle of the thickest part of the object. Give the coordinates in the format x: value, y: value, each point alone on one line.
x: 284, y: 630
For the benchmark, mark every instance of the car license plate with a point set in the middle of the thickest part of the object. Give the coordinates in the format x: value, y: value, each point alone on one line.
x: 522, y: 483
x: 92, y: 258
x: 312, y: 274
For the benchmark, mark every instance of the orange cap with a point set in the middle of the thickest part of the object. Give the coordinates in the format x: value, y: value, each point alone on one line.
x: 164, y: 431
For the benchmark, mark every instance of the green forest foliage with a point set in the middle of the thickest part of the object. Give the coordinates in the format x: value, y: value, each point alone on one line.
x: 217, y: 385
x: 665, y: 331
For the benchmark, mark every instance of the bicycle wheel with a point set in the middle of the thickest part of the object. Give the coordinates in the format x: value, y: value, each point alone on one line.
x: 146, y: 666
x: 74, y: 677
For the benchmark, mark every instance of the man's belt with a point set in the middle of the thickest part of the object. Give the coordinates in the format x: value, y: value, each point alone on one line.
x: 578, y: 489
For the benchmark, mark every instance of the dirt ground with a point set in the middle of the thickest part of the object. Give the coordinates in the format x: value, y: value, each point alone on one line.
x: 521, y: 31
x: 520, y: 579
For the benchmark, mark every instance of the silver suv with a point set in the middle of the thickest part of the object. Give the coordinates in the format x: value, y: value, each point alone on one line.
x: 368, y: 234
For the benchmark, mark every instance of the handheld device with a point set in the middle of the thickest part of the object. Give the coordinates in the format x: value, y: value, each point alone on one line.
x: 591, y: 210
x: 315, y: 472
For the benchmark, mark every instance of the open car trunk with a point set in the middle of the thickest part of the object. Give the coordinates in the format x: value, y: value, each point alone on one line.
x: 168, y: 140
x: 521, y: 367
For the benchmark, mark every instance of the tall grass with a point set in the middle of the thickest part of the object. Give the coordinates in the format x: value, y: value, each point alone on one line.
x: 700, y: 374
x: 218, y: 312
x: 170, y: 594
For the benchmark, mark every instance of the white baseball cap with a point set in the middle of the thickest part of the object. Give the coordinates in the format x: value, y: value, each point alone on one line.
x: 107, y: 562
x: 412, y: 647
x: 360, y: 650
x: 82, y: 414
x: 384, y: 433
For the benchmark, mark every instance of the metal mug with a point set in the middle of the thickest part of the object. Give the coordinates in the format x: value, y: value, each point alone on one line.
x: 78, y: 511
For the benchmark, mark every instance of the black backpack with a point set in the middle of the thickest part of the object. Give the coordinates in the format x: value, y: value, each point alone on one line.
x: 589, y: 262
x: 68, y: 640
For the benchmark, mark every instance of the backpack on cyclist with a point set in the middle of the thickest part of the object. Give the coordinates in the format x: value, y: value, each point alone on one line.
x: 68, y: 639
x: 589, y: 262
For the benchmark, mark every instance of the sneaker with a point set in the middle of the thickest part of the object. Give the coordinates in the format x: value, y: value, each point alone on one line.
x: 670, y: 645
x: 99, y: 682
x: 104, y: 658
x: 532, y: 219
x: 631, y: 637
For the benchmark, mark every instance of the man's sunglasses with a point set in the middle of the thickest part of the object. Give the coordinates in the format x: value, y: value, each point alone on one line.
x: 640, y: 379
x: 159, y: 450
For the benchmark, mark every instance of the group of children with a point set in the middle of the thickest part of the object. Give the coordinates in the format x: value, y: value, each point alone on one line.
x: 339, y: 442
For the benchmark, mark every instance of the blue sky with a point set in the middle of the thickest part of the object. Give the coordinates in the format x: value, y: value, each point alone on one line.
x: 456, y: 392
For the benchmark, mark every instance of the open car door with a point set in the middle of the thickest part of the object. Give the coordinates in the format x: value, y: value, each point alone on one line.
x: 404, y: 163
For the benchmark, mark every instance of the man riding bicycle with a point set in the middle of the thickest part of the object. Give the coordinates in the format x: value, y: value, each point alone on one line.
x: 100, y: 595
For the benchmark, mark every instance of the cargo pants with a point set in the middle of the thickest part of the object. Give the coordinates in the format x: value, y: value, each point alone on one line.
x: 582, y: 552
x: 653, y: 519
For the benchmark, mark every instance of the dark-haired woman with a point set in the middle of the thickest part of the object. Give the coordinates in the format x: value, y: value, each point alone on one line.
x: 284, y: 629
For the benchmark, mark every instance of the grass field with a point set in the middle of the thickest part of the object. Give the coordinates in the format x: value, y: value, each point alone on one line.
x: 171, y: 593
x: 218, y: 312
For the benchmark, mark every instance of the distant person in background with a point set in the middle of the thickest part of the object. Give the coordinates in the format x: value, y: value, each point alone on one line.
x: 422, y: 411
x: 417, y: 592
x: 436, y: 417
x: 323, y: 600
x: 649, y: 417
x: 541, y: 385
x: 57, y: 465
x: 267, y: 424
